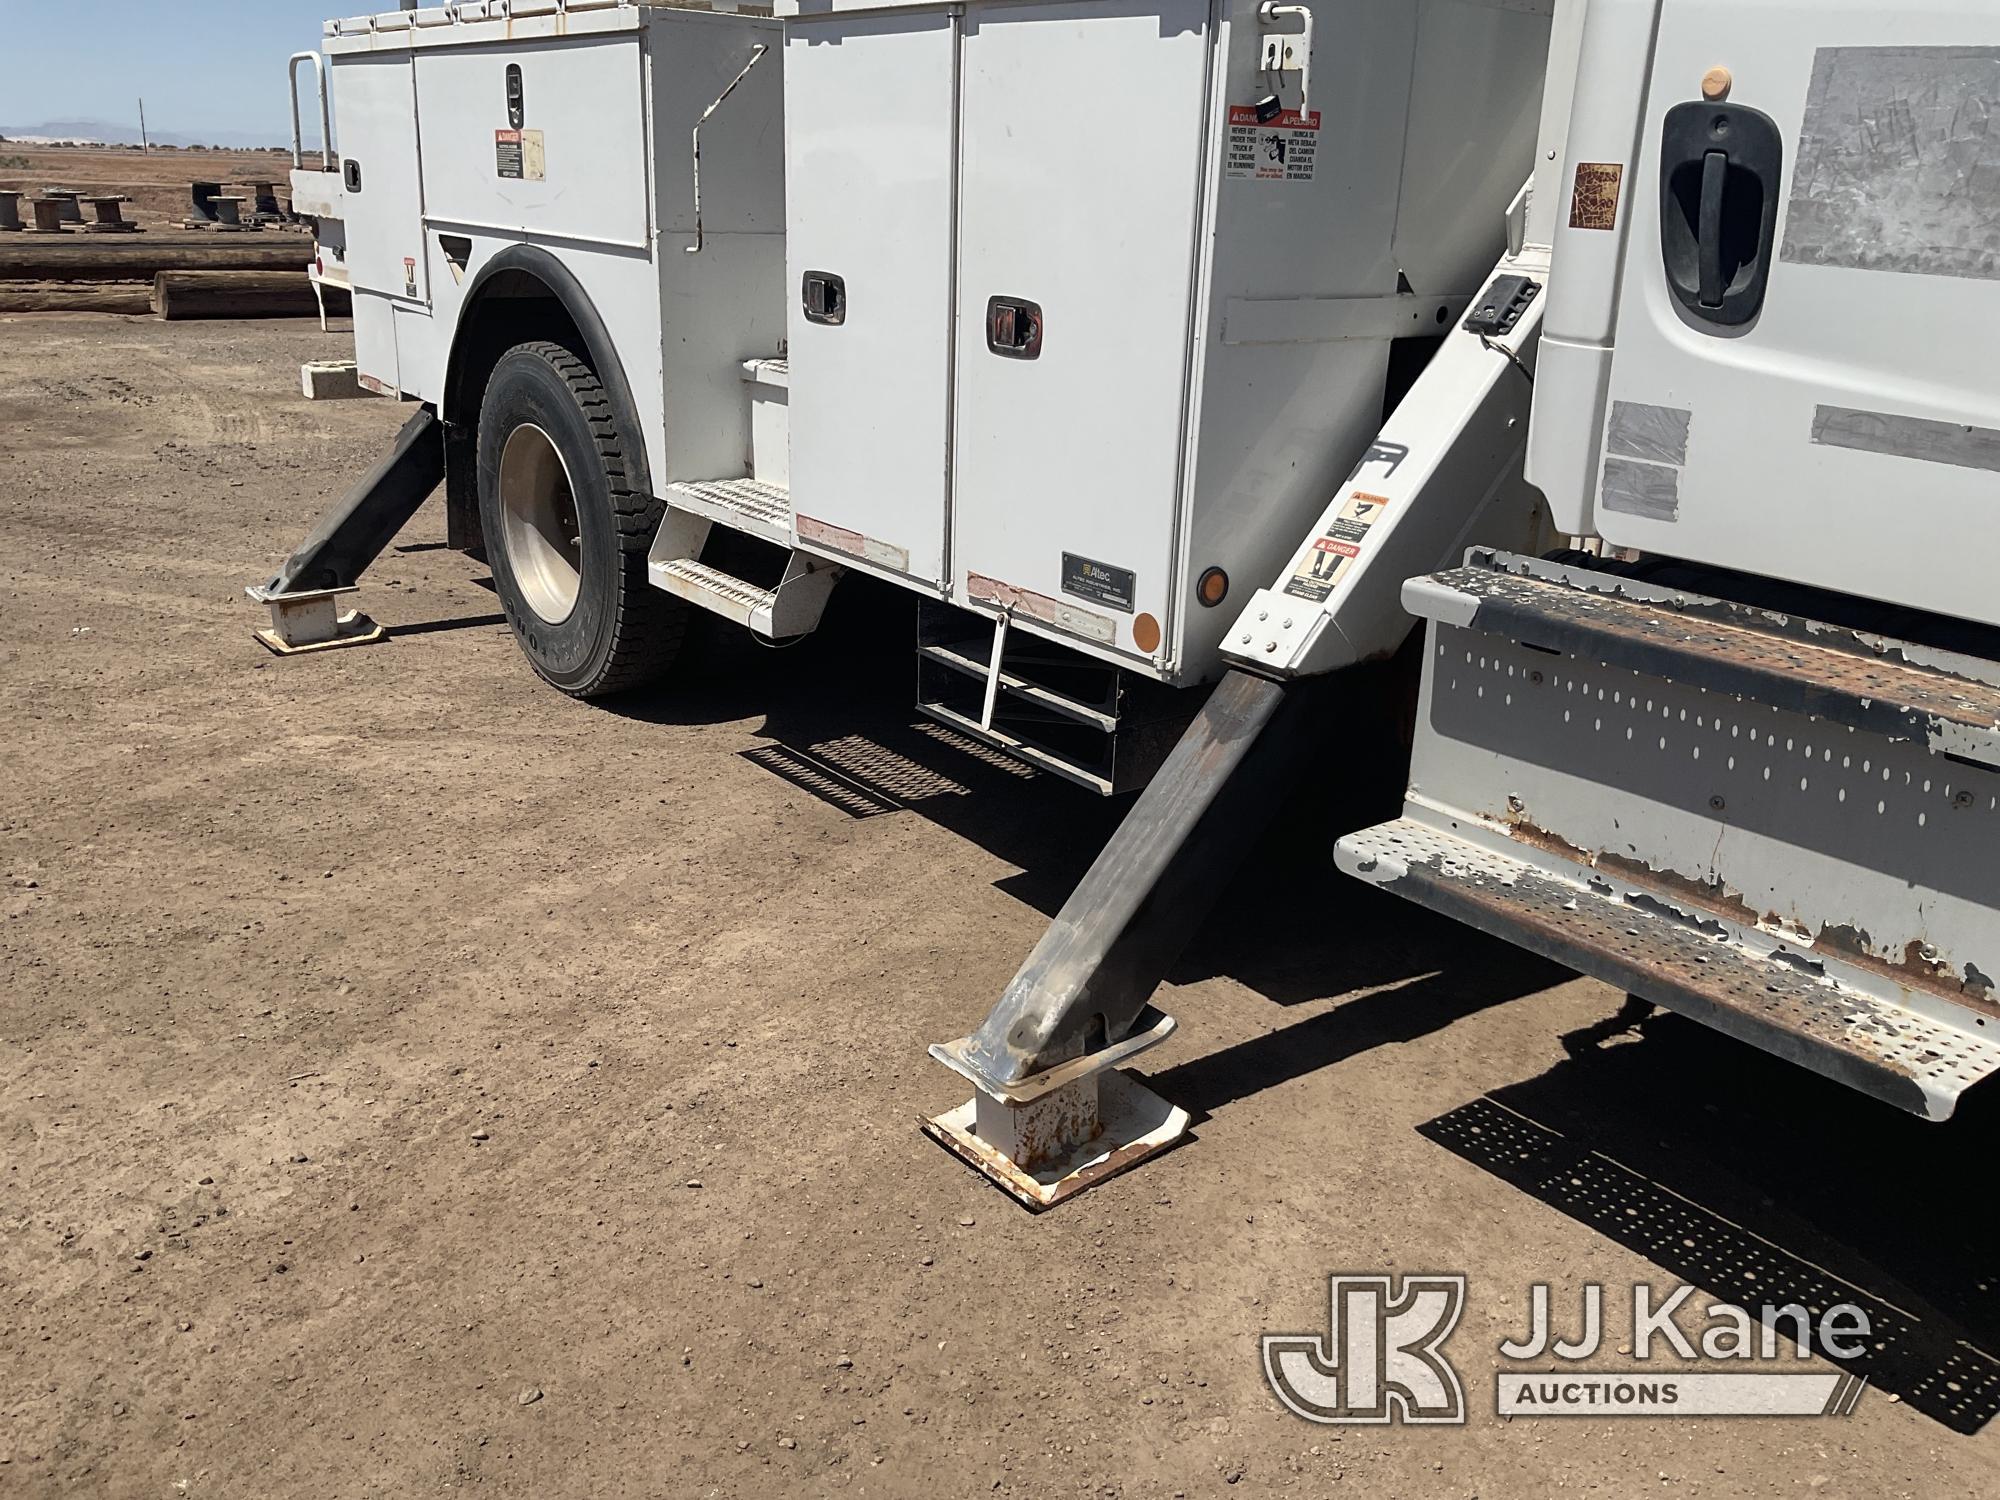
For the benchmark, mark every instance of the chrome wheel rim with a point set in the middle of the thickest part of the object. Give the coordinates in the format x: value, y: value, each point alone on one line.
x: 538, y: 513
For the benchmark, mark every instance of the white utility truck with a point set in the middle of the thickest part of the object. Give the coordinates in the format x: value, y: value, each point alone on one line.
x: 1154, y: 344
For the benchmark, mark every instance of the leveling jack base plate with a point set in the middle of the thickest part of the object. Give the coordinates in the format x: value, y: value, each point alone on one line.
x: 312, y: 621
x: 1136, y: 1123
x: 356, y: 629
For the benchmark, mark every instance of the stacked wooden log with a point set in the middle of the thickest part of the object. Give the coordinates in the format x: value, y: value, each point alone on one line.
x: 193, y: 277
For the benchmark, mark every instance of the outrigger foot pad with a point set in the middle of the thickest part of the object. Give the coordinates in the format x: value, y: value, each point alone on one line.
x: 1053, y: 1134
x: 350, y: 536
x: 312, y: 621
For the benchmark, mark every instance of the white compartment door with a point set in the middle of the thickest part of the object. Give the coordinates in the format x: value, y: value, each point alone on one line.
x: 375, y: 102
x: 1081, y: 163
x: 868, y: 172
x: 575, y: 164
x: 1844, y: 432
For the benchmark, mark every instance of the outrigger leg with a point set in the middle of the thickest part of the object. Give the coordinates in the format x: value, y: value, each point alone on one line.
x: 305, y: 614
x: 1050, y: 1115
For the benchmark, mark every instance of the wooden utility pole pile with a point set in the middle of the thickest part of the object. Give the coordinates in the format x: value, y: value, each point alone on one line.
x: 224, y: 277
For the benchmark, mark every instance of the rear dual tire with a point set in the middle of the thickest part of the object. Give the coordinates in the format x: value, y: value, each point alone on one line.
x: 566, y: 533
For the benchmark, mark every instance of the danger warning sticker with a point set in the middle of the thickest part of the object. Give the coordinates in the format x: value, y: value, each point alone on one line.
x: 1280, y: 149
x: 519, y: 153
x: 1332, y: 555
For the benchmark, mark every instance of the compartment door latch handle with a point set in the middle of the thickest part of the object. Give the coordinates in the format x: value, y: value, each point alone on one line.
x: 1014, y: 327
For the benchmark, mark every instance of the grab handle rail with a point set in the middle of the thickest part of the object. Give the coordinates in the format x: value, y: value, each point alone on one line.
x: 325, y: 116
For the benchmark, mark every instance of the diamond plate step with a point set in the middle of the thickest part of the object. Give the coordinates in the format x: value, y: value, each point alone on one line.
x: 748, y: 505
x: 1788, y: 1001
x: 716, y: 591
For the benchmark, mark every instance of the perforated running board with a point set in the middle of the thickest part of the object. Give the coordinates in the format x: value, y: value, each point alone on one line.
x: 1801, y: 1005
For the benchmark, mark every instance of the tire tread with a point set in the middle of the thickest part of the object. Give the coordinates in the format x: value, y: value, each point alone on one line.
x: 648, y: 624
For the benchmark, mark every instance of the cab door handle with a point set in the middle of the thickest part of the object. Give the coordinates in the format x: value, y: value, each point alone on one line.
x: 1721, y: 167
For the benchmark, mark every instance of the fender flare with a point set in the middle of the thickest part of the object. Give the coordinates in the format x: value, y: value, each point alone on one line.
x: 598, y: 348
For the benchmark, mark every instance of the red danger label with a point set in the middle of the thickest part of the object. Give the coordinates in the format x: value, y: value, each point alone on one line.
x: 1288, y: 119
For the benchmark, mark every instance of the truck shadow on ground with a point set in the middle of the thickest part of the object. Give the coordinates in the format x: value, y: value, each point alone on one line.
x: 840, y: 723
x: 1763, y: 1184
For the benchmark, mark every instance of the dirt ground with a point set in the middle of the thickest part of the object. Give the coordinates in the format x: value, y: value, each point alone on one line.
x: 410, y: 1078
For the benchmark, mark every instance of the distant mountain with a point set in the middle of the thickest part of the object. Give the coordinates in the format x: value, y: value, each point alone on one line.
x: 52, y: 131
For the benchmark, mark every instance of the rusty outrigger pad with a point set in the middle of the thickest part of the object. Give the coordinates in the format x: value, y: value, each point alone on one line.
x: 1047, y: 1136
x: 1134, y: 1124
x: 1792, y: 1002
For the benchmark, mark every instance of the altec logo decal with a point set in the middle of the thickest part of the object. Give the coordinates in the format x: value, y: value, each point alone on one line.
x: 1382, y: 1358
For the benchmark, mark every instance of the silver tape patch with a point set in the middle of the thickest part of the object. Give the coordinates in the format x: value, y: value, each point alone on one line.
x: 1899, y: 162
x: 1638, y: 489
x: 1659, y: 433
x: 1907, y: 437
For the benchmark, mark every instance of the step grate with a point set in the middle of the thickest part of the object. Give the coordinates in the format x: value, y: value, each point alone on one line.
x: 1783, y: 1000
x: 750, y: 505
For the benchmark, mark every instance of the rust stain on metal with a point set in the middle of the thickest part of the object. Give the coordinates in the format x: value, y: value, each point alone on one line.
x: 1087, y: 623
x: 1055, y: 1125
x: 1501, y: 909
x: 1523, y: 831
x: 1842, y: 661
x: 1710, y: 894
x: 1594, y: 203
x: 1022, y: 1186
x: 1919, y: 968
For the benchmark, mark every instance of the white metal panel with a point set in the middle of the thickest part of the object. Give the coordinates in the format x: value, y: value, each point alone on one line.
x: 1426, y: 120
x: 1589, y: 235
x: 1082, y: 154
x: 420, y: 359
x: 1900, y: 339
x: 583, y: 129
x: 726, y: 303
x: 375, y: 343
x: 869, y: 165
x: 376, y: 100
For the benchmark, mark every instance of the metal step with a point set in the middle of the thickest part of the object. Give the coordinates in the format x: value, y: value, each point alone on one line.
x: 747, y: 505
x: 1056, y: 709
x: 967, y: 659
x: 1862, y: 682
x: 1027, y: 750
x: 1795, y: 1002
x: 716, y: 591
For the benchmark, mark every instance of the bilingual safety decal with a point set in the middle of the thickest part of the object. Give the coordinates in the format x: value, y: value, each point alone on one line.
x: 1279, y: 150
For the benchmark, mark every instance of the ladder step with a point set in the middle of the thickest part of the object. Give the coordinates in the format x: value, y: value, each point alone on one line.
x: 1027, y: 750
x: 716, y: 591
x: 1871, y: 684
x: 966, y: 658
x: 748, y: 505
x: 1790, y: 1001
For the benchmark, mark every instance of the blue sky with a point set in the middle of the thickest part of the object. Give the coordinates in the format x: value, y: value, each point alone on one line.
x: 202, y: 65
